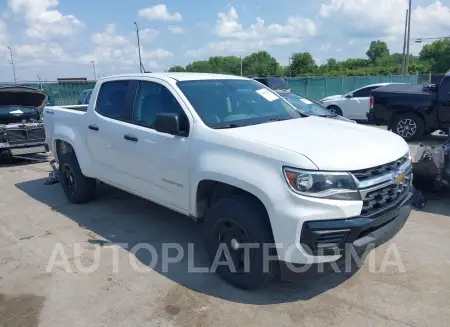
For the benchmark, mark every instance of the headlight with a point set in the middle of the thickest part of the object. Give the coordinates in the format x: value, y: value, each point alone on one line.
x: 325, y: 185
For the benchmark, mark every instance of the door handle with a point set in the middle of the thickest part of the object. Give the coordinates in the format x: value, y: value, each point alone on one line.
x: 93, y: 127
x: 130, y: 138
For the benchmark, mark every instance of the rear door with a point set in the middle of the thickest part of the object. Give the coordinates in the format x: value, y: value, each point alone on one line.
x: 106, y: 129
x: 443, y: 100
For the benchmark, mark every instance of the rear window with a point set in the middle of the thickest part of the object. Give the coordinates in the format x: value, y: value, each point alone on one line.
x: 111, y: 99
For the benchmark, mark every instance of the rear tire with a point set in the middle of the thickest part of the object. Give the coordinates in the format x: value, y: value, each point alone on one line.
x: 335, y: 109
x: 234, y: 220
x: 77, y: 187
x: 409, y: 126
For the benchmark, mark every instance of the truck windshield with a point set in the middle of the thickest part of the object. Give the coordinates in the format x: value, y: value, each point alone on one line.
x: 235, y: 103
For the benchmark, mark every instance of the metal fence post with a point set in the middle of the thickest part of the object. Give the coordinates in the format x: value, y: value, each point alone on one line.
x: 326, y: 86
x: 307, y: 86
x: 390, y: 78
x: 342, y: 84
x: 429, y: 77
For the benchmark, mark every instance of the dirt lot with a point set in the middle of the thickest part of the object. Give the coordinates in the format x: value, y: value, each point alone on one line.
x: 34, y: 218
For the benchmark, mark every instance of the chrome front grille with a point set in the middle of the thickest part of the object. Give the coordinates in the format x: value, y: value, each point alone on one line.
x: 365, y: 174
x: 383, y: 187
x: 386, y: 197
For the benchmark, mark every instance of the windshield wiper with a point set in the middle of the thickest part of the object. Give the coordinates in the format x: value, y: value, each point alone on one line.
x: 227, y: 126
x: 327, y: 115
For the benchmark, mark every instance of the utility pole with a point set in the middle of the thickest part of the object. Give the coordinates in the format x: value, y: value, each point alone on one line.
x: 241, y: 66
x: 290, y: 71
x: 93, y: 68
x: 409, y: 35
x: 12, y: 63
x: 141, y: 67
x: 404, y: 43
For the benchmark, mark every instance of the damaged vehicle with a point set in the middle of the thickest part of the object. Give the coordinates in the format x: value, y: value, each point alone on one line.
x: 21, y: 125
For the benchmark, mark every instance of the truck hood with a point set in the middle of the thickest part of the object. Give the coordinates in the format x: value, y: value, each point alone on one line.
x: 330, y: 144
x: 22, y: 97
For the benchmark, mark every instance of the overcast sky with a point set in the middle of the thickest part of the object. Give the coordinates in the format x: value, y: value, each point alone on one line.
x: 59, y: 38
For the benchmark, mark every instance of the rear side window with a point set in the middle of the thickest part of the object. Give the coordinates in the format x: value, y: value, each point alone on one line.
x: 111, y: 99
x: 365, y: 92
x: 277, y: 83
x: 262, y: 80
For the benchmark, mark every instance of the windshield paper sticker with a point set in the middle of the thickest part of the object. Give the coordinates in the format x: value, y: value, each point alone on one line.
x: 306, y: 101
x: 266, y: 94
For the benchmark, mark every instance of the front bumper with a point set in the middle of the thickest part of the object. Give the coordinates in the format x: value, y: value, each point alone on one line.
x: 31, y: 148
x: 360, y: 235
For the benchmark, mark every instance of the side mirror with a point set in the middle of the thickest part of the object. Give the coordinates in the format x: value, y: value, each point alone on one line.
x: 348, y: 96
x: 167, y: 123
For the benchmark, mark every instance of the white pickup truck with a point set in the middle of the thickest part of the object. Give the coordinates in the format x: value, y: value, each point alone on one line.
x: 240, y: 160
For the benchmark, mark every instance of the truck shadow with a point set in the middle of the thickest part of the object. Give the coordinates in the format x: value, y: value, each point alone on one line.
x: 118, y: 217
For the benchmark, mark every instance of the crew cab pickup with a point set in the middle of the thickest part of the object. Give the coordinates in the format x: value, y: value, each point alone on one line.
x: 21, y: 127
x: 241, y: 161
x: 412, y: 110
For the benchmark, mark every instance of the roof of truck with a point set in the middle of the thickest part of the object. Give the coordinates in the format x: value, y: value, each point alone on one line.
x: 178, y: 76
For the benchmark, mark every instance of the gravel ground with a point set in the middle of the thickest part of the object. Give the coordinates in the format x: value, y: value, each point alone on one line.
x: 36, y: 219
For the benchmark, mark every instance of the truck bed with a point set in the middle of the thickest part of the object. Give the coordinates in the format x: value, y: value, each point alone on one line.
x: 400, y: 89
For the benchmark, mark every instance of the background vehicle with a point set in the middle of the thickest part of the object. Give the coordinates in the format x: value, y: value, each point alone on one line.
x: 412, y: 110
x: 84, y: 96
x: 235, y: 156
x: 21, y: 128
x: 310, y: 108
x: 276, y: 83
x: 353, y: 105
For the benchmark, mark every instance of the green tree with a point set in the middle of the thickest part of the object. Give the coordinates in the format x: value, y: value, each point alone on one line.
x: 437, y: 55
x: 377, y: 50
x: 177, y: 69
x: 260, y: 63
x: 225, y: 65
x: 302, y: 63
x: 199, y: 67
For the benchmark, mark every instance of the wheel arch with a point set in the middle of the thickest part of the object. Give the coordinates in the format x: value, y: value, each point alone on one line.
x: 209, y: 190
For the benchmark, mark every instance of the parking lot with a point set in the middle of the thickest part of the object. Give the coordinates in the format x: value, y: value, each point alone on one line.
x: 36, y: 220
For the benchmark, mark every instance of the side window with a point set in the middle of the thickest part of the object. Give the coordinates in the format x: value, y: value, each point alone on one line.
x: 262, y: 80
x: 364, y: 93
x: 111, y: 99
x: 153, y: 99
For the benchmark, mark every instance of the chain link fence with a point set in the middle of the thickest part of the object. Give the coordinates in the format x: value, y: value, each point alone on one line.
x: 318, y: 87
x: 313, y: 87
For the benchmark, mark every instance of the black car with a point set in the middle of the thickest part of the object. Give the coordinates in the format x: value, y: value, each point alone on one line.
x: 276, y: 83
x: 412, y: 110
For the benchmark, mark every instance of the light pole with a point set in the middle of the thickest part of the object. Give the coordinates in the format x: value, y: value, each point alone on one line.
x: 93, y: 68
x: 141, y: 67
x: 12, y: 63
x: 409, y: 35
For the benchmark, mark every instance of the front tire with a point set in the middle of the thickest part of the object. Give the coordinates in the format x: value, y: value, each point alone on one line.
x: 409, y: 126
x: 230, y: 223
x: 77, y: 187
x: 335, y: 109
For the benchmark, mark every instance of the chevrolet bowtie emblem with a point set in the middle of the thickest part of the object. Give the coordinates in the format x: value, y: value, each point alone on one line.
x: 399, y: 177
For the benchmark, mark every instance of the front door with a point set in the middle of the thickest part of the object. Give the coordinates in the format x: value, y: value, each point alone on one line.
x: 158, y: 163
